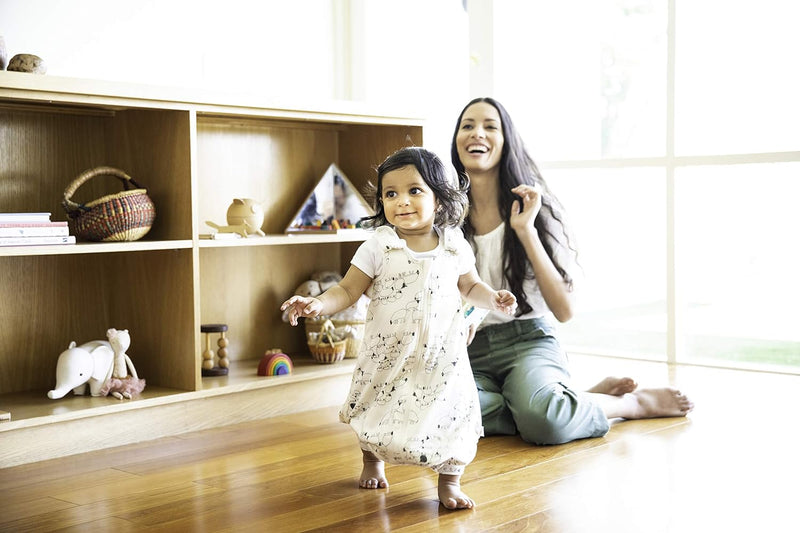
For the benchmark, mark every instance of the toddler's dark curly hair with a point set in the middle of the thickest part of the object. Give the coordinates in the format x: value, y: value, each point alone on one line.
x: 449, y: 188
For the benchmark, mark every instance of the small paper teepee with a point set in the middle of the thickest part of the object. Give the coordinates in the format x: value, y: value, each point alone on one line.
x: 333, y: 204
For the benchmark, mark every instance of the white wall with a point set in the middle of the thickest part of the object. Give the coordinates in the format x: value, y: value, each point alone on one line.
x: 417, y: 52
x: 236, y: 44
x: 412, y: 55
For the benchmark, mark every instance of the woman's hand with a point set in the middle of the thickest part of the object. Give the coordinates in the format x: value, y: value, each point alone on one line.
x: 301, y: 306
x: 523, y: 214
x: 556, y: 292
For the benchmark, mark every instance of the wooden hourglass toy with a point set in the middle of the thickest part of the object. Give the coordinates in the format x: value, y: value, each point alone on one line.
x: 209, y: 368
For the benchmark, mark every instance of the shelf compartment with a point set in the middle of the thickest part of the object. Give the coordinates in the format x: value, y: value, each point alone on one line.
x: 244, y: 288
x: 279, y: 163
x: 52, y: 300
x: 45, y: 148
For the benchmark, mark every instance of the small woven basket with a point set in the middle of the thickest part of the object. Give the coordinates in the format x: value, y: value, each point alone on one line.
x: 323, y: 345
x: 353, y: 330
x: 124, y: 216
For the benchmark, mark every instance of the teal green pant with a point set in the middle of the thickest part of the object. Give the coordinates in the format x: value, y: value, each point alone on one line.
x: 522, y: 378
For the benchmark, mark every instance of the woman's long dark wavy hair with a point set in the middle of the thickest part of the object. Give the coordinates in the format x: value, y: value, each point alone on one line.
x: 516, y: 168
x: 452, y: 196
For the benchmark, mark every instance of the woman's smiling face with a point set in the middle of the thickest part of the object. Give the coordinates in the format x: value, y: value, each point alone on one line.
x: 480, y: 138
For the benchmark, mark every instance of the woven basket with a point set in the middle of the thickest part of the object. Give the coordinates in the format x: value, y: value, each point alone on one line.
x: 125, y: 216
x: 323, y: 345
x: 353, y: 330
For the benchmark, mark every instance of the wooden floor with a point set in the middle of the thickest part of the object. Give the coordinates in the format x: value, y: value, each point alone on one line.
x: 732, y: 465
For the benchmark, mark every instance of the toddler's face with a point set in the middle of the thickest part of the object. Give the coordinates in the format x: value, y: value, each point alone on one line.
x: 408, y: 202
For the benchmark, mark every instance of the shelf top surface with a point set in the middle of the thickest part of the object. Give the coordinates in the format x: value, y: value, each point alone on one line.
x: 141, y: 246
x: 94, y: 247
x: 32, y: 87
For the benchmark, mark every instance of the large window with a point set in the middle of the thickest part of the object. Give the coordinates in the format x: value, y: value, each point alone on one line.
x: 739, y: 260
x: 617, y: 213
x: 669, y: 129
x: 737, y: 85
x: 585, y: 79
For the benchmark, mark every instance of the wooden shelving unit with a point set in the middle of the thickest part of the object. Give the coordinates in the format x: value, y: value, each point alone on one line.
x: 194, y: 152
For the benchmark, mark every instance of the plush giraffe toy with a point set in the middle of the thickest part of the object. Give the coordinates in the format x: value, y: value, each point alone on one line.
x: 121, y: 385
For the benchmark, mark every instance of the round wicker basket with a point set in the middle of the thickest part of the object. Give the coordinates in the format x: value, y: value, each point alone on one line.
x: 124, y: 216
x: 352, y: 330
x: 324, y: 346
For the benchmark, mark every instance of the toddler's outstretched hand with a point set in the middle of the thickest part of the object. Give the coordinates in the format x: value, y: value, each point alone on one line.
x: 505, y: 301
x: 301, y: 306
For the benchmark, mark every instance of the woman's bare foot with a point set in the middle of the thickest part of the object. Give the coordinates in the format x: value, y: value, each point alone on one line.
x: 614, y: 386
x: 654, y: 403
x: 645, y: 403
x: 372, y: 476
x: 450, y: 493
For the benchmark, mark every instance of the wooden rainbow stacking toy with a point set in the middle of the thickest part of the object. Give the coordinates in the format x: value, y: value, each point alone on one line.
x: 275, y: 363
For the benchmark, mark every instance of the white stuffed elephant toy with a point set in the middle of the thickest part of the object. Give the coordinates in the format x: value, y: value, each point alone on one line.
x: 78, y: 366
x: 102, y: 365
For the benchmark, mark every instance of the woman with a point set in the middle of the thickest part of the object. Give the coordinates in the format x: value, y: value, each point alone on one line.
x: 522, y: 243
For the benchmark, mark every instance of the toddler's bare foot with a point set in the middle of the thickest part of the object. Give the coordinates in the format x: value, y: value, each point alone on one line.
x: 372, y: 476
x: 450, y: 493
x: 653, y: 403
x: 615, y: 386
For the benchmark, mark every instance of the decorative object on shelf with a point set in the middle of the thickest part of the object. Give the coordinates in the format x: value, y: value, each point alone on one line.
x: 21, y: 62
x: 351, y: 331
x: 239, y: 230
x: 245, y: 217
x: 27, y: 63
x: 102, y: 365
x: 34, y: 229
x: 37, y: 241
x: 333, y: 205
x: 124, y: 216
x: 275, y: 363
x: 120, y: 341
x: 349, y: 322
x: 30, y: 229
x: 209, y: 369
x: 327, y: 346
x: 78, y: 366
x: 122, y: 385
x: 3, y: 54
x: 27, y: 217
x: 219, y: 236
x: 248, y: 212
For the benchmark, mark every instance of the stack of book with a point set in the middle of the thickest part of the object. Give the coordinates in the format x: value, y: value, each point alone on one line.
x: 27, y: 229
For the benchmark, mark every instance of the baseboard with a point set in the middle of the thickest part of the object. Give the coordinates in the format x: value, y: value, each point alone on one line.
x: 189, y: 413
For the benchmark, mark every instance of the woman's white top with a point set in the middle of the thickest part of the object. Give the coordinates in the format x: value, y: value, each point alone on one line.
x: 489, y: 263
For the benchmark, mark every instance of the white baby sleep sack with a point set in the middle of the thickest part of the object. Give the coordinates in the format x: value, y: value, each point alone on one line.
x: 413, y: 399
